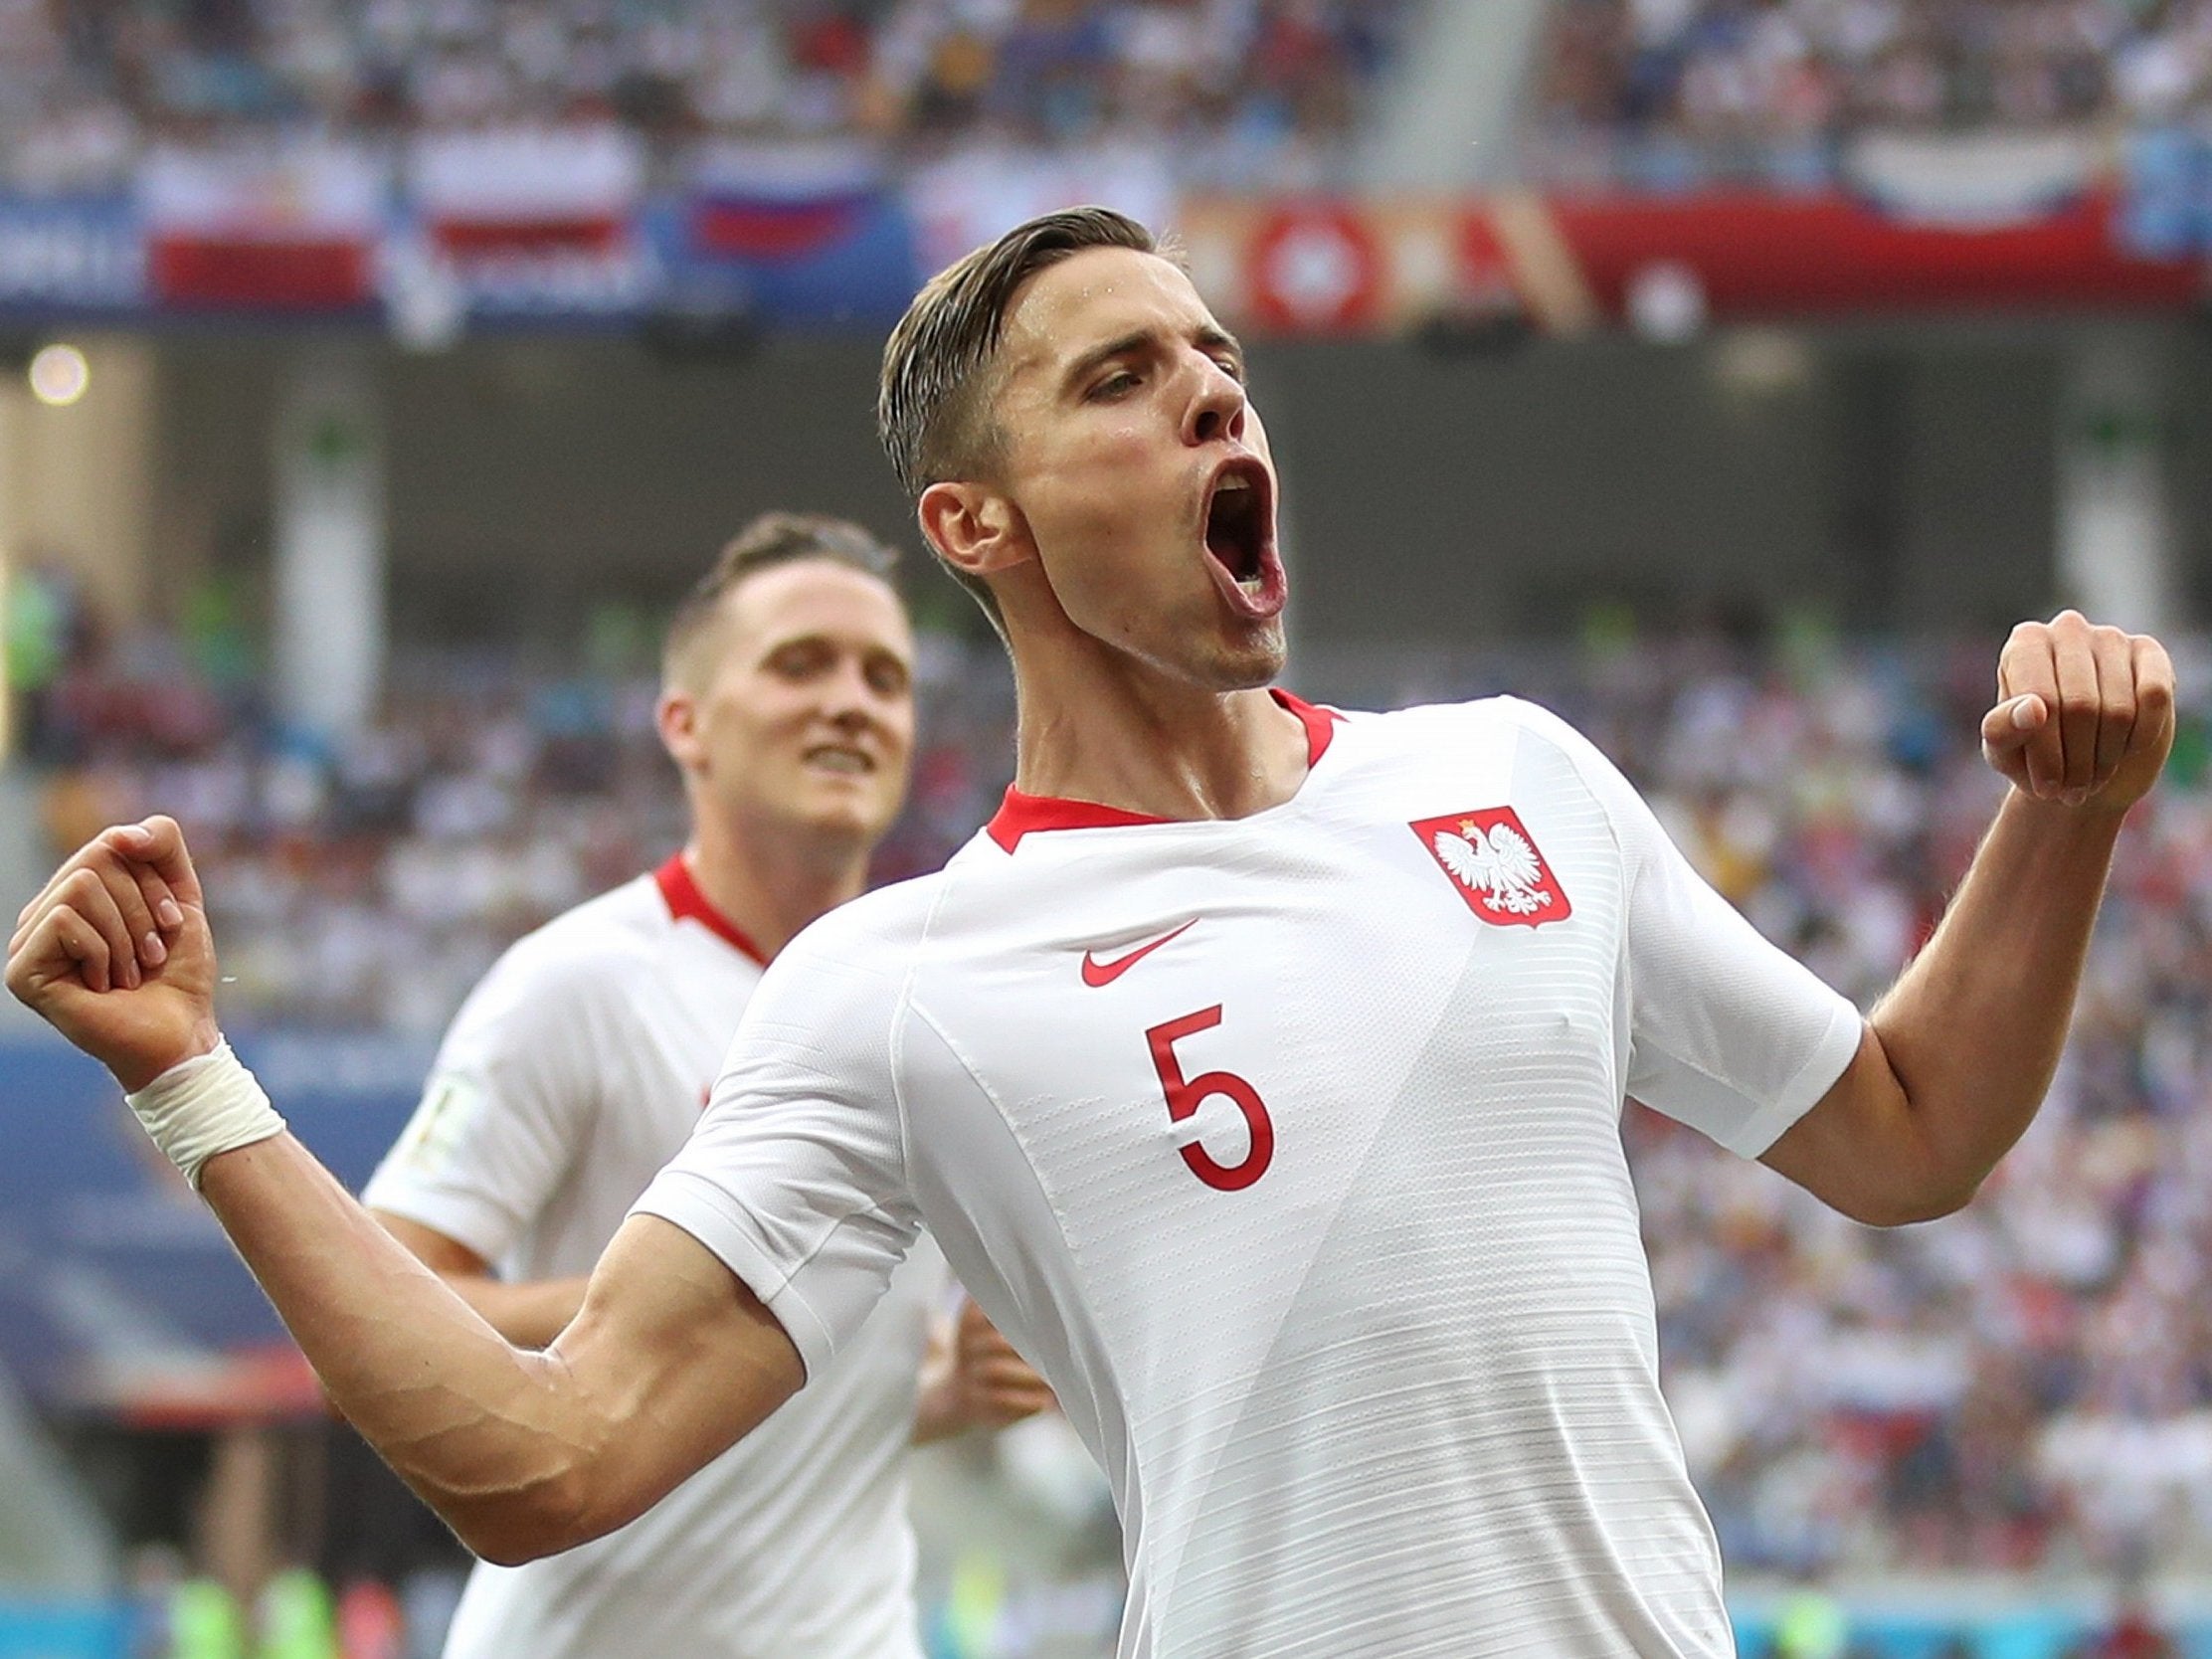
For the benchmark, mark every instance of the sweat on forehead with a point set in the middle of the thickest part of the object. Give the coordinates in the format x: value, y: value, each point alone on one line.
x: 1100, y: 306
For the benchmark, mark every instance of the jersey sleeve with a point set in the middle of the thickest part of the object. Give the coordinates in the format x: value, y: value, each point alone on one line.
x: 796, y: 1177
x: 510, y: 1099
x: 1727, y: 1033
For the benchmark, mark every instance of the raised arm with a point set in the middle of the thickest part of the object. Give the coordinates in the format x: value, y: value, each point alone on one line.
x: 1956, y: 1057
x: 670, y: 1360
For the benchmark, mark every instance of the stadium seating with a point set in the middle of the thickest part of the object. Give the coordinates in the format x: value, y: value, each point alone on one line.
x: 1672, y: 93
x: 83, y: 90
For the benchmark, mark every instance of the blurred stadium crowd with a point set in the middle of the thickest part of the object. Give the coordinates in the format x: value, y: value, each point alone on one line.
x: 84, y: 89
x: 371, y: 886
x: 2023, y: 1386
x: 1765, y: 89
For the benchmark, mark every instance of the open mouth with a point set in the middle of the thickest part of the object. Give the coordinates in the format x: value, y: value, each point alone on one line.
x: 835, y: 757
x: 1240, y: 536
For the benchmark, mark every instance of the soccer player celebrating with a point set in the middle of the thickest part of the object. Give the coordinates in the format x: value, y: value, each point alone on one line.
x: 580, y: 1065
x: 1258, y: 1069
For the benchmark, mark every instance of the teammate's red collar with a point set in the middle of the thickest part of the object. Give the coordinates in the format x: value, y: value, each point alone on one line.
x: 1022, y: 815
x: 685, y: 902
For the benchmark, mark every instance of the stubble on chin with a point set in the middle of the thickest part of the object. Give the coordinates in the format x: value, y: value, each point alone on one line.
x: 1246, y: 664
x: 1200, y: 651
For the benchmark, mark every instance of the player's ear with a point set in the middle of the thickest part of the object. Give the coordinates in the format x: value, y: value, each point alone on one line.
x: 676, y: 715
x: 974, y: 528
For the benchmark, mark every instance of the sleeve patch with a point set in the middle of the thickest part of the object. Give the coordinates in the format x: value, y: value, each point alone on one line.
x: 452, y: 1103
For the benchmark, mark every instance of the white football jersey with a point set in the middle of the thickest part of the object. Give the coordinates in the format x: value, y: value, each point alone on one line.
x: 572, y: 1073
x: 1288, y: 1149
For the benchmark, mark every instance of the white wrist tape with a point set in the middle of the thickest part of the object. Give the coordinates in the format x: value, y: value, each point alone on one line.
x: 202, y: 1106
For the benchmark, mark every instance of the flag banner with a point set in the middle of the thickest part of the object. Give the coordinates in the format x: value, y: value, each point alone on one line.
x: 1763, y: 257
x: 2045, y: 237
x: 555, y: 226
x: 974, y: 196
x: 522, y: 190
x: 1321, y: 266
x: 72, y: 256
x: 779, y: 202
x: 532, y: 220
x: 806, y: 233
x: 1971, y: 181
x: 262, y: 226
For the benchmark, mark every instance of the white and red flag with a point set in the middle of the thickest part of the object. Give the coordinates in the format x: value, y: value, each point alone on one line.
x: 262, y: 227
x: 527, y: 191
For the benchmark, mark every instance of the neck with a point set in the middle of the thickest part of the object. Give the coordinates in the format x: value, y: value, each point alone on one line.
x: 772, y: 881
x: 1096, y: 725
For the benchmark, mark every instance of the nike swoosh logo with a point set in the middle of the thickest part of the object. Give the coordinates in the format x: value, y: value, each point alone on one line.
x: 1097, y: 973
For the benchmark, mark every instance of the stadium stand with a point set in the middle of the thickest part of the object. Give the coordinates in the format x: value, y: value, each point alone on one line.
x: 1674, y: 92
x: 83, y: 89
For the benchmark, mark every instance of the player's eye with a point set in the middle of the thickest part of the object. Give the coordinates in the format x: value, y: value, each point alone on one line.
x: 887, y: 677
x: 801, y: 659
x: 1113, y: 386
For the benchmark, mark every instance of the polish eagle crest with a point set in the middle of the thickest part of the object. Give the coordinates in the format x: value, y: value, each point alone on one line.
x: 1494, y: 862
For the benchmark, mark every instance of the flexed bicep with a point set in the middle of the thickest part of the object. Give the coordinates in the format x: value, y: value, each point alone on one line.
x: 676, y: 1359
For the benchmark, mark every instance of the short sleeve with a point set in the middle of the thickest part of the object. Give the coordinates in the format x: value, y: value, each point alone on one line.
x: 1727, y: 1033
x: 509, y: 1102
x: 796, y: 1177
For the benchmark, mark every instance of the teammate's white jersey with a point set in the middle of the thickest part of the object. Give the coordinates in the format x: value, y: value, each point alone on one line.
x: 1288, y: 1149
x: 572, y: 1073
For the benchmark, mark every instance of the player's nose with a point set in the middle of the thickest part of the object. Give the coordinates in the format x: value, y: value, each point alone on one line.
x: 850, y: 701
x: 1217, y: 405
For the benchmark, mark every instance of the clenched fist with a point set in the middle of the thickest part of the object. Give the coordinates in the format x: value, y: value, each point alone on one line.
x: 973, y: 1378
x: 2083, y: 714
x: 115, y: 953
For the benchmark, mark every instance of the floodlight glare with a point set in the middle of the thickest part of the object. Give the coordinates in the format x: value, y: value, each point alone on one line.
x: 58, y: 375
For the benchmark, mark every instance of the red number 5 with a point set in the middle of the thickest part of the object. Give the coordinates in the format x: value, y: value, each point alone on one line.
x: 1183, y: 1098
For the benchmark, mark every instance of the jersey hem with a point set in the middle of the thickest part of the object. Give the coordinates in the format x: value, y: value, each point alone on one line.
x: 701, y: 1209
x: 474, y: 1222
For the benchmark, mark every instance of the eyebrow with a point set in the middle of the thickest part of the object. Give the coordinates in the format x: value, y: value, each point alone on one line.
x: 815, y: 637
x: 1208, y: 339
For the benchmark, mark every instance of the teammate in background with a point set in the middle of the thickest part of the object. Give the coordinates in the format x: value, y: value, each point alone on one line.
x: 1258, y: 1070
x: 581, y: 1064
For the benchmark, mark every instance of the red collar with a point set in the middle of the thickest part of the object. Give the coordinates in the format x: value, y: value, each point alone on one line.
x: 686, y: 903
x: 1020, y: 814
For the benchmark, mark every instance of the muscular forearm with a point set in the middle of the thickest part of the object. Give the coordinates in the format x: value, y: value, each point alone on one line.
x: 1955, y: 1060
x: 1974, y: 1029
x: 669, y: 1361
x: 489, y: 1435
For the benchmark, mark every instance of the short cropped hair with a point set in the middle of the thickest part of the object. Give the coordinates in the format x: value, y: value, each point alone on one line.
x: 933, y: 403
x: 771, y: 539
